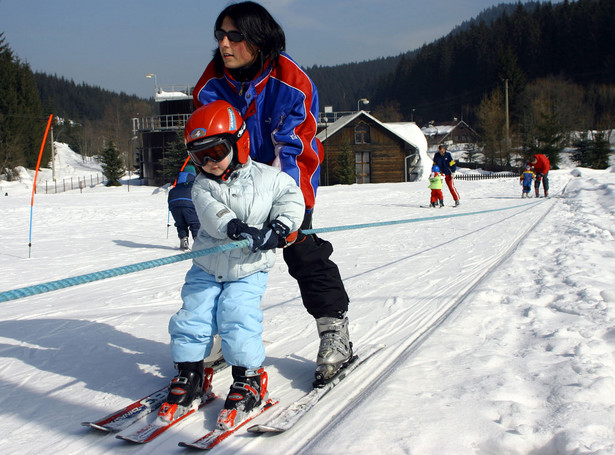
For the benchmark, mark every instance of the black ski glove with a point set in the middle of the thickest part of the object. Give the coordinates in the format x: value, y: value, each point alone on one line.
x: 237, y: 230
x: 268, y: 238
x: 274, y: 235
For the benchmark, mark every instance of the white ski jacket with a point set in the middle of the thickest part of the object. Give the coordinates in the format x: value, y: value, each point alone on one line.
x: 256, y: 194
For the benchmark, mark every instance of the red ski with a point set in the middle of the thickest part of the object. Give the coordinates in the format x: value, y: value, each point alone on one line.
x: 215, y: 437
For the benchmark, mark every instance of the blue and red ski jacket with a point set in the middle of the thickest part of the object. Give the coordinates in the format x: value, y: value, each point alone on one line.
x: 280, y: 108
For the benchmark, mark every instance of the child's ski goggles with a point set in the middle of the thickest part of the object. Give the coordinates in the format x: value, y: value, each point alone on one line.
x: 210, y: 149
x: 214, y: 148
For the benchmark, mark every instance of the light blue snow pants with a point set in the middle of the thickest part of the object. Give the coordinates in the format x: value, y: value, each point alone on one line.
x: 231, y: 309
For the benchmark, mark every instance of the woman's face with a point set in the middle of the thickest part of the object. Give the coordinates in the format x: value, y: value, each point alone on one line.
x: 235, y: 55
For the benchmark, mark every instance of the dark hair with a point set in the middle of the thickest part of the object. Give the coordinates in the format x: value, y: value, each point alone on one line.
x: 259, y: 28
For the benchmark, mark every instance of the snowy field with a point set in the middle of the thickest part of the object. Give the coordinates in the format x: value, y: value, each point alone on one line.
x: 499, y: 325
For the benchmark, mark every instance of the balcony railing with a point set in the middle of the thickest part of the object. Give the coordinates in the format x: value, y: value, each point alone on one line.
x: 177, y: 121
x: 159, y: 123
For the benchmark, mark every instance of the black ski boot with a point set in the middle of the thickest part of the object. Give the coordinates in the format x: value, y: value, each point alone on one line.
x: 186, y: 389
x: 248, y: 392
x: 184, y: 244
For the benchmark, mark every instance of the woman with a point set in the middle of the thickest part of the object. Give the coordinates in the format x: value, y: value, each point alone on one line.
x: 279, y: 104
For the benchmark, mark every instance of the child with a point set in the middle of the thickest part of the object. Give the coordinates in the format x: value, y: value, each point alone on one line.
x: 435, y: 184
x: 182, y: 208
x: 527, y: 176
x: 235, y: 198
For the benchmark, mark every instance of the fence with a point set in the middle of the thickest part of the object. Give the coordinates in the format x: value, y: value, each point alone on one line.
x: 492, y: 175
x: 68, y: 184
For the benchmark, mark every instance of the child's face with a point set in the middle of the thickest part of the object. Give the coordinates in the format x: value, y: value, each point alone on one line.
x: 218, y: 168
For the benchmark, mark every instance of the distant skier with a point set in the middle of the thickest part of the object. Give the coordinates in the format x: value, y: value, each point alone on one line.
x: 444, y: 160
x: 541, y: 166
x: 236, y: 198
x: 526, y: 179
x: 182, y: 208
x: 435, y: 185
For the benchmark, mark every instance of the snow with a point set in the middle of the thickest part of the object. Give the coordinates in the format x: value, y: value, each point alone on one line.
x: 499, y: 324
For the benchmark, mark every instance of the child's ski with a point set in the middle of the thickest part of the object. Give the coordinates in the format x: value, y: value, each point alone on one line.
x: 160, y: 425
x: 122, y: 419
x: 215, y: 437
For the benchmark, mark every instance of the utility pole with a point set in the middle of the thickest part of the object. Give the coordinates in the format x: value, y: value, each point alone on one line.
x: 507, y: 118
x: 53, y: 158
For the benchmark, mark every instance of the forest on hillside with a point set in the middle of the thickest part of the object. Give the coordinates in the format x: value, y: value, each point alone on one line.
x: 450, y: 77
x: 553, y: 65
x: 86, y: 117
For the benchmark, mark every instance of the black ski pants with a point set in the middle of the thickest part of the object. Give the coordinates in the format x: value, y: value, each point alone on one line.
x: 320, y: 283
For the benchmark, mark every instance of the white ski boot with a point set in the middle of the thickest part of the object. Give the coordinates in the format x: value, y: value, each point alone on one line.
x: 335, y: 347
x: 215, y: 357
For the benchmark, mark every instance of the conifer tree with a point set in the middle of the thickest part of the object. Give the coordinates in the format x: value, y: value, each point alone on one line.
x: 582, y: 151
x: 602, y: 150
x: 112, y: 164
x: 345, y: 171
x: 174, y: 158
x: 22, y: 122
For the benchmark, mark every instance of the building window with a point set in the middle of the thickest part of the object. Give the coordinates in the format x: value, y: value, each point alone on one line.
x: 361, y: 134
x: 362, y: 168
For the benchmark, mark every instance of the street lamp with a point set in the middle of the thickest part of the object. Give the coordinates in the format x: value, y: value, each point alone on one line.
x: 150, y: 76
x: 362, y: 100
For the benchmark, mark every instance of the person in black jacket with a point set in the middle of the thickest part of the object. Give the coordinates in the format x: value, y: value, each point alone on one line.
x: 444, y: 160
x: 182, y: 208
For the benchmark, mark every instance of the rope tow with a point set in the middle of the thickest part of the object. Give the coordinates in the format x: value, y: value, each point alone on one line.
x: 117, y: 271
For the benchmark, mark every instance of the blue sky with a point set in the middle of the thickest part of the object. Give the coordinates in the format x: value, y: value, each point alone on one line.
x: 113, y: 44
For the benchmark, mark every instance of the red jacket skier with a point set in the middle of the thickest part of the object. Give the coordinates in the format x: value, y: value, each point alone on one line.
x: 541, y: 166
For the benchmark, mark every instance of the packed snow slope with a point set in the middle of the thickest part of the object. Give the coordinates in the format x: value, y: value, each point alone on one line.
x: 498, y: 318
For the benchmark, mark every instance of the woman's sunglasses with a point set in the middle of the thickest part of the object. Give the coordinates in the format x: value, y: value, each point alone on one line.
x: 233, y: 35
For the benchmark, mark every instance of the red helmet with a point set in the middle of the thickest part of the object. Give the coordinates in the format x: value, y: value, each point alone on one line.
x: 215, y: 130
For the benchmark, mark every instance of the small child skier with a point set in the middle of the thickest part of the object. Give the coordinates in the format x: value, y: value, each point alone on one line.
x: 527, y: 176
x: 435, y: 185
x: 182, y: 208
x: 235, y: 198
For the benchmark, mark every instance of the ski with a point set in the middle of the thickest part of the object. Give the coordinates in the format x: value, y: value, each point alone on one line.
x: 159, y: 425
x: 122, y: 419
x: 125, y: 417
x: 292, y: 413
x: 215, y: 437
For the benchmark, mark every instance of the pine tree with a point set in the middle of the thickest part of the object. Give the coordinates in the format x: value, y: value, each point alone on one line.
x: 601, y: 150
x: 582, y: 151
x: 174, y: 158
x: 22, y: 123
x: 345, y: 170
x: 549, y: 138
x: 112, y: 165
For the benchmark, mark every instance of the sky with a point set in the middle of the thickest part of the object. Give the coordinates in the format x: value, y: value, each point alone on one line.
x: 497, y: 316
x: 113, y: 44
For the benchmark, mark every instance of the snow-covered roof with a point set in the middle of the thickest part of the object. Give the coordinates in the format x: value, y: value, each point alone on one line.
x: 437, y: 130
x: 161, y: 95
